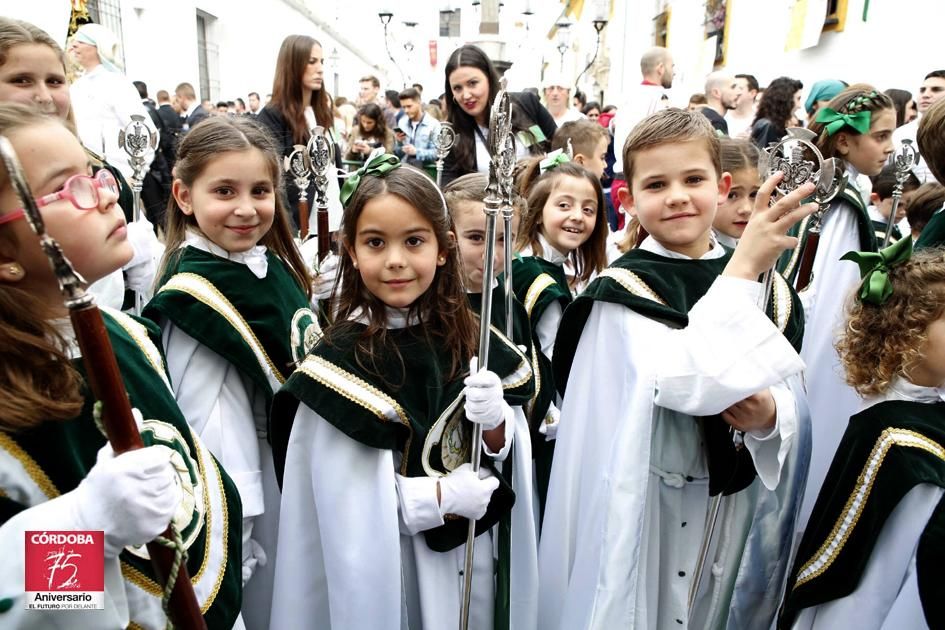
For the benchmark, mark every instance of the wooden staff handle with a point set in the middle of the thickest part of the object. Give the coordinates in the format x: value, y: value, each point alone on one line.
x: 324, y: 237
x: 120, y: 428
x: 303, y: 219
x: 806, y: 267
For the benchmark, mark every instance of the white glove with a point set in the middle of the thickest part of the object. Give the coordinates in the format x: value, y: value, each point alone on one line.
x: 323, y: 278
x: 463, y: 493
x: 144, y: 242
x: 253, y: 557
x: 140, y: 278
x: 132, y: 496
x: 484, y: 396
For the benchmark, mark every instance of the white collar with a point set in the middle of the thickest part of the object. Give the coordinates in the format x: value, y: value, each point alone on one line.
x: 254, y: 258
x: 190, y: 110
x: 651, y: 245
x: 549, y: 253
x: 396, y: 317
x: 725, y: 239
x: 901, y: 389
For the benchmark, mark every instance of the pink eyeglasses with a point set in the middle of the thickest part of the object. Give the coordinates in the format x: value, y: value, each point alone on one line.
x: 81, y: 190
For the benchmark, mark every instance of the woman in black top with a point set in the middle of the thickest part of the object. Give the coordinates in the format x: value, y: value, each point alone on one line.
x: 780, y: 100
x: 299, y: 102
x: 471, y: 86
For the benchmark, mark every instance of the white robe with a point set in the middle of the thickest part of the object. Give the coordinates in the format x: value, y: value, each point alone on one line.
x: 228, y: 411
x: 352, y: 553
x: 887, y: 596
x: 623, y: 524
x: 825, y: 301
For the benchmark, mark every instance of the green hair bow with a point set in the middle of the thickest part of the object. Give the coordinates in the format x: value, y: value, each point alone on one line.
x: 554, y: 159
x: 874, y: 270
x: 379, y: 165
x: 835, y: 121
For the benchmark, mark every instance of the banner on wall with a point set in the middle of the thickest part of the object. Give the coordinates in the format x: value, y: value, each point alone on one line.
x: 807, y: 23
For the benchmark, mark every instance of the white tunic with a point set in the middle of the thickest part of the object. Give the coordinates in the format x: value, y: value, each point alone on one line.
x: 628, y: 494
x: 887, y: 596
x: 228, y: 411
x: 825, y: 301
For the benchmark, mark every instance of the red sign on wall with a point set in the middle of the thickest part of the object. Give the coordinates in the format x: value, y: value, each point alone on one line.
x: 432, y: 53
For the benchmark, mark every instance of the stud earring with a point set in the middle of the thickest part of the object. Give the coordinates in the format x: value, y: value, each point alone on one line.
x: 14, y: 269
x: 354, y: 264
x: 441, y: 259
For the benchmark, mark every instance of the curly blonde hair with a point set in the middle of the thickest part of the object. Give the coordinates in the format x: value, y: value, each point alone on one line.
x: 879, y: 343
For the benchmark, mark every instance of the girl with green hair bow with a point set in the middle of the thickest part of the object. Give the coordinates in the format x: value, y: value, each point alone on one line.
x: 856, y: 127
x: 872, y: 549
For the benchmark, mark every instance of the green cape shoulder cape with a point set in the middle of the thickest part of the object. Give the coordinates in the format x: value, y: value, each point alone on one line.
x: 263, y: 326
x: 400, y: 402
x: 887, y: 450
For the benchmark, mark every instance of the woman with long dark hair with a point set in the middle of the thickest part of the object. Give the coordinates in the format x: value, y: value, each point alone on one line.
x: 300, y: 102
x: 471, y: 87
x: 778, y: 104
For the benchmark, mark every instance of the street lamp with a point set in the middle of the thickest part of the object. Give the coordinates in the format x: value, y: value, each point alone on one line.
x: 599, y: 25
x: 564, y: 39
x: 385, y: 17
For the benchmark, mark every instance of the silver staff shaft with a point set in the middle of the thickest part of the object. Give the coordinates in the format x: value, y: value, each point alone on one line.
x: 491, y: 209
x: 712, y: 519
x: 891, y: 220
x: 507, y: 268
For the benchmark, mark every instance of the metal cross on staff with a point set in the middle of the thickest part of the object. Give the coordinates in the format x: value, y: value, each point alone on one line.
x: 445, y: 138
x: 904, y: 160
x: 136, y: 138
x: 297, y: 166
x: 321, y: 158
x: 801, y: 161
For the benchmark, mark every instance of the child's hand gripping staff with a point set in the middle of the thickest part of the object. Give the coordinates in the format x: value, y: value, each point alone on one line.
x: 763, y: 241
x: 500, y: 127
x: 118, y: 420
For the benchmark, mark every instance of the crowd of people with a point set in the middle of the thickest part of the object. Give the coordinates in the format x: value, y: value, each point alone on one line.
x: 712, y: 401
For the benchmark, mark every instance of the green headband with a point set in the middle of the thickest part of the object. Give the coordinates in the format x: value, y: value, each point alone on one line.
x: 378, y: 166
x: 834, y: 121
x: 874, y: 270
x: 552, y: 160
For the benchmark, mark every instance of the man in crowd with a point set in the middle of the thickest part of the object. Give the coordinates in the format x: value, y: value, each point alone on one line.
x: 254, y: 104
x: 192, y: 111
x: 721, y: 96
x: 932, y: 90
x: 739, y: 119
x: 558, y: 100
x: 415, y: 131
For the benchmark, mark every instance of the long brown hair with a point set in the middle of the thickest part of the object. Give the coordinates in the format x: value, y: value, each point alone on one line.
x: 591, y: 256
x: 463, y: 153
x: 37, y: 378
x: 443, y: 309
x: 205, y: 142
x: 293, y: 58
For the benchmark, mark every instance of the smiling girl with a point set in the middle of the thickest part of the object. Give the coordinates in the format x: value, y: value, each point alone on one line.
x: 233, y: 302
x: 372, y: 433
